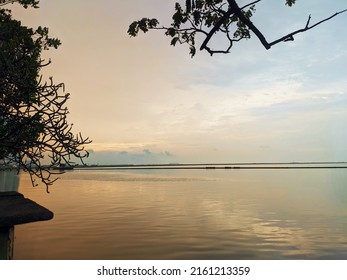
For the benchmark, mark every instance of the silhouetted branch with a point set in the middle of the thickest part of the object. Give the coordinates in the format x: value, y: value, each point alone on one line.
x: 290, y: 36
x: 209, y: 18
x: 215, y: 28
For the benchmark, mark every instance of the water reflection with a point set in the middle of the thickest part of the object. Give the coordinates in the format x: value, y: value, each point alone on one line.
x: 242, y: 214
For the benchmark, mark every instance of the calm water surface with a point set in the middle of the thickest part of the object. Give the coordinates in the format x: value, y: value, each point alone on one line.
x: 189, y: 214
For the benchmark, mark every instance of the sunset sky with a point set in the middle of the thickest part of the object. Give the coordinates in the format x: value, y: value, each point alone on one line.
x: 143, y: 101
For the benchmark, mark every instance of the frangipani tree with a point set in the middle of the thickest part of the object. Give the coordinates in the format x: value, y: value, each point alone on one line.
x: 34, y: 132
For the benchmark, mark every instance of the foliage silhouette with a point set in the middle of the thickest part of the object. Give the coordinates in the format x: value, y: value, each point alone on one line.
x: 34, y: 132
x: 212, y: 17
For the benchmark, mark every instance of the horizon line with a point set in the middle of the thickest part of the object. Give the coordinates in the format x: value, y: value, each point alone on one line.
x: 212, y: 164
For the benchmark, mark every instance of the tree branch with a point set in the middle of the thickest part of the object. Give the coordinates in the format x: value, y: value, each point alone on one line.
x: 238, y: 12
x: 250, y: 4
x: 290, y: 36
x: 213, y: 17
x: 215, y: 29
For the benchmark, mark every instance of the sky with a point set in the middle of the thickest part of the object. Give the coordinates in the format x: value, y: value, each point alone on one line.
x: 143, y: 101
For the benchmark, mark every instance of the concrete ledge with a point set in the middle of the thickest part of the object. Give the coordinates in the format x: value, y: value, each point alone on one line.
x: 15, y: 209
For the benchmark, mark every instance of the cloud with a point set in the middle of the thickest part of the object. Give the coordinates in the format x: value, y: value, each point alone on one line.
x: 130, y: 157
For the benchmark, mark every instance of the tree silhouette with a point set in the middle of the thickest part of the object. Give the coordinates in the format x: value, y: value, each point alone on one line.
x: 34, y: 132
x: 211, y: 17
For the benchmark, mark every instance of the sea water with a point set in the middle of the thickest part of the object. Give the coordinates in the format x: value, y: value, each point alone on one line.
x: 189, y: 214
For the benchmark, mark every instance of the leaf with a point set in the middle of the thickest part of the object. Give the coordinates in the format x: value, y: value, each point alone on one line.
x: 192, y: 51
x: 197, y: 17
x: 133, y: 29
x: 174, y: 41
x: 152, y: 22
x: 170, y: 32
x: 290, y: 2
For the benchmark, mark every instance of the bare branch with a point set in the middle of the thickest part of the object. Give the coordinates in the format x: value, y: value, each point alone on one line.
x: 250, y: 4
x: 308, y: 21
x: 290, y: 36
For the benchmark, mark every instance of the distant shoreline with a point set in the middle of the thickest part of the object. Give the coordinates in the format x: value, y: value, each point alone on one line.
x: 243, y: 165
x: 207, y: 166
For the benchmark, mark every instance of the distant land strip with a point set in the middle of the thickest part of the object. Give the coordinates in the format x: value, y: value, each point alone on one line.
x: 259, y: 165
